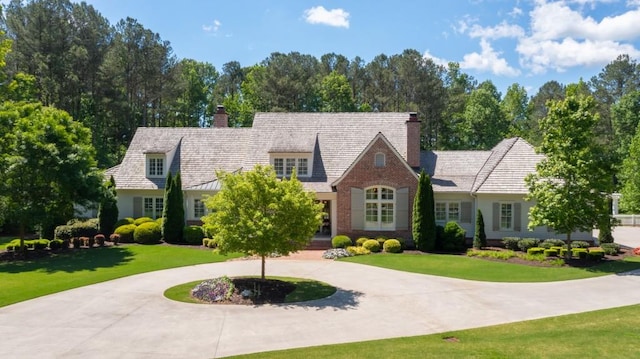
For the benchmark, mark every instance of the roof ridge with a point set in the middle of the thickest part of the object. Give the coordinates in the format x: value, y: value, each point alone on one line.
x: 503, y: 153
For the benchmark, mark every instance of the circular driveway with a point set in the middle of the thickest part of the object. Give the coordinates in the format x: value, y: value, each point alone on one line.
x: 130, y: 317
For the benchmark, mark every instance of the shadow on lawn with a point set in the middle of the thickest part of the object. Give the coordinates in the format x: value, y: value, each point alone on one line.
x: 72, y: 261
x: 342, y: 299
x: 617, y: 267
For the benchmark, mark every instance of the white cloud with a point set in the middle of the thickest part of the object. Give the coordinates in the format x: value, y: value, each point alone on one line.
x: 500, y: 31
x: 436, y: 60
x: 322, y: 16
x: 213, y: 27
x: 516, y: 12
x: 488, y: 60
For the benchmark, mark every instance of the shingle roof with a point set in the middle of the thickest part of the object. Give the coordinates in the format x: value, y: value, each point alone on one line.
x: 335, y: 139
x: 453, y: 171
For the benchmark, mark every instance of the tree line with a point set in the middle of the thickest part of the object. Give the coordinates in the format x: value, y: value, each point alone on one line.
x: 114, y: 78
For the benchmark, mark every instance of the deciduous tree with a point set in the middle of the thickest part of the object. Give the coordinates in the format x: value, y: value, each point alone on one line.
x: 258, y: 214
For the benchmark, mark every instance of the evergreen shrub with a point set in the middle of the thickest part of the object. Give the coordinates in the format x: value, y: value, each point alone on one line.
x: 141, y: 220
x: 392, y: 246
x: 453, y: 239
x: 341, y: 241
x: 193, y: 234
x: 371, y: 245
x: 147, y: 233
x: 126, y: 233
x: 511, y: 243
x: 361, y: 240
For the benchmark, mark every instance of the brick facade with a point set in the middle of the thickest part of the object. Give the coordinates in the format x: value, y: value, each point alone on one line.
x: 363, y: 174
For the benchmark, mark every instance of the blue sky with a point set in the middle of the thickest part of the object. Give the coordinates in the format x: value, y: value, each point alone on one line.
x: 528, y: 42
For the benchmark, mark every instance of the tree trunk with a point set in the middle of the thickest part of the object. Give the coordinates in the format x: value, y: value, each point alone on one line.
x: 569, y: 253
x: 263, y: 262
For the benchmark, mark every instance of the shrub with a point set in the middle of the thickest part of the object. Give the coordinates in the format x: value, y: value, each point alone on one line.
x: 115, y: 238
x: 453, y: 239
x: 77, y: 242
x: 141, y: 220
x: 550, y: 252
x: 123, y: 221
x: 56, y: 244
x: 580, y: 244
x: 595, y: 254
x: 381, y: 240
x: 361, y: 240
x: 551, y: 242
x: 99, y: 239
x: 392, y: 246
x: 358, y: 251
x: 504, y: 255
x: 147, y: 233
x: 193, y: 234
x: 209, y: 242
x: 40, y: 244
x: 511, y: 243
x: 526, y: 243
x: 14, y: 245
x: 336, y: 253
x: 372, y: 245
x: 126, y: 233
x: 341, y: 241
x: 579, y: 252
x: 610, y: 248
x: 77, y: 228
x: 535, y: 250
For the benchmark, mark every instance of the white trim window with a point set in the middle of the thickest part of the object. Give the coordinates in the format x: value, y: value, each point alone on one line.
x: 446, y: 211
x: 379, y: 208
x: 152, y: 207
x: 506, y: 216
x: 284, y: 166
x: 155, y: 166
x: 199, y: 209
x: 379, y: 160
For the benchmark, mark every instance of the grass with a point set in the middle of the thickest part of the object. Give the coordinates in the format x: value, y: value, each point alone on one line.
x: 306, y: 289
x: 463, y: 267
x: 609, y: 333
x: 76, y: 268
x: 4, y: 241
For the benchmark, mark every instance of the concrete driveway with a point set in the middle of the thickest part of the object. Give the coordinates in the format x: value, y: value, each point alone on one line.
x: 130, y: 317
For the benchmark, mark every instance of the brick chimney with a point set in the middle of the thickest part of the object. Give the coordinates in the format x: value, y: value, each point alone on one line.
x: 221, y: 119
x: 413, y: 140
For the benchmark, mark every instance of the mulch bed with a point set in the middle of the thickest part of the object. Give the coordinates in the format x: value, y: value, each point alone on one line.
x: 271, y: 291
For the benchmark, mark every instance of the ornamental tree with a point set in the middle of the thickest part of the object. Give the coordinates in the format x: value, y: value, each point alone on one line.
x: 424, y: 219
x: 173, y: 210
x: 108, y: 208
x: 571, y: 184
x: 256, y: 213
x: 480, y: 237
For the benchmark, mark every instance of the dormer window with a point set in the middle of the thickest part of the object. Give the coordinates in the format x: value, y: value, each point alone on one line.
x: 284, y: 165
x: 379, y: 160
x: 155, y: 166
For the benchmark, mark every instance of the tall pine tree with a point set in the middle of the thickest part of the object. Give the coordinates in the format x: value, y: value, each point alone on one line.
x: 424, y: 219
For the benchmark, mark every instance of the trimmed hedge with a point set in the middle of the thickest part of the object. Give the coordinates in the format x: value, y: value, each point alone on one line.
x: 392, y: 246
x: 526, y: 243
x: 580, y: 244
x: 358, y: 250
x: 453, y: 237
x: 341, y: 241
x: 125, y: 232
x: 77, y: 228
x: 193, y: 234
x: 141, y: 220
x: 511, y: 243
x: 595, y: 254
x: 372, y: 245
x: 610, y: 248
x: 123, y: 221
x: 147, y: 233
x: 361, y: 240
x: 551, y: 242
x: 535, y: 250
x: 551, y: 252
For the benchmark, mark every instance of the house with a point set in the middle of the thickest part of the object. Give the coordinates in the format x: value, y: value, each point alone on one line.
x: 363, y: 166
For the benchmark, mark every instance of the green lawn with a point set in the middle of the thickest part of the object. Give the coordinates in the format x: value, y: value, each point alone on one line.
x: 77, y: 268
x: 610, y: 333
x: 463, y: 267
x: 4, y: 241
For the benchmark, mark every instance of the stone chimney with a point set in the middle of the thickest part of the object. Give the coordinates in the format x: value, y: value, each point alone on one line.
x: 221, y: 119
x: 413, y: 140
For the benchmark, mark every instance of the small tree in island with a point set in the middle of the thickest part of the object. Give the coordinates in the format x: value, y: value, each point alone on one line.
x: 256, y: 213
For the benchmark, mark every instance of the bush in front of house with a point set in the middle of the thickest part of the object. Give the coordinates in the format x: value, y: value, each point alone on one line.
x: 209, y: 242
x: 511, y: 243
x: 126, y: 233
x: 392, y: 246
x: 551, y: 252
x: 361, y: 241
x: 453, y: 239
x: 525, y: 243
x: 579, y: 252
x: 551, y: 242
x: 40, y: 244
x: 193, y: 234
x: 595, y: 254
x: 141, y: 220
x: 535, y: 250
x: 358, y: 250
x: 147, y: 233
x: 341, y: 241
x: 381, y: 240
x: 371, y: 245
x: 580, y: 244
x: 123, y: 221
x: 610, y: 248
x: 77, y: 228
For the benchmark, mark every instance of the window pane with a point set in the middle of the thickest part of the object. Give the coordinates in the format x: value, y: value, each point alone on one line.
x: 506, y: 215
x: 148, y: 207
x: 159, y: 208
x: 379, y: 160
x: 159, y: 166
x: 198, y: 208
x: 278, y: 166
x: 371, y: 212
x: 386, y: 213
x: 454, y: 211
x: 372, y: 193
x: 387, y: 194
x: 291, y: 163
x: 303, y: 166
x: 441, y: 211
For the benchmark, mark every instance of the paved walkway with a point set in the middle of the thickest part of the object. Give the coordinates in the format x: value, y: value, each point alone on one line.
x: 130, y: 318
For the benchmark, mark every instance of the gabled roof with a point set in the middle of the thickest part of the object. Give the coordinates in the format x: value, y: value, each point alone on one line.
x: 500, y: 170
x: 381, y: 137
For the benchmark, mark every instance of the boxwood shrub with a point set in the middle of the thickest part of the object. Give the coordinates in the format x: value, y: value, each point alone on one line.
x: 123, y: 221
x: 580, y: 244
x: 141, y: 220
x: 358, y: 250
x: 535, y: 250
x: 193, y: 234
x: 56, y: 244
x: 595, y: 254
x: 551, y: 252
x: 77, y: 228
x: 371, y: 245
x: 453, y: 237
x: 361, y: 240
x: 579, y: 252
x: 125, y: 232
x: 526, y: 243
x: 511, y: 243
x: 392, y: 246
x: 341, y: 241
x: 551, y: 242
x: 147, y: 233
x: 610, y: 248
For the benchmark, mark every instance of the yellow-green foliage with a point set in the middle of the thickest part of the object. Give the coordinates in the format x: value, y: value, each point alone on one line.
x: 147, y: 233
x: 126, y: 233
x: 141, y: 220
x: 361, y: 240
x: 372, y: 245
x: 358, y: 250
x: 392, y: 246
